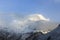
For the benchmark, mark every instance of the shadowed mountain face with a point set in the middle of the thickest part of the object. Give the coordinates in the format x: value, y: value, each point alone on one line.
x: 54, y: 34
x: 13, y: 36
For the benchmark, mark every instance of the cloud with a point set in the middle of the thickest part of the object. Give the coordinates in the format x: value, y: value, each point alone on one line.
x: 27, y: 24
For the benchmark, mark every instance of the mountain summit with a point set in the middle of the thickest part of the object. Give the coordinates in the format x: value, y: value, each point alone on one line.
x: 37, y: 17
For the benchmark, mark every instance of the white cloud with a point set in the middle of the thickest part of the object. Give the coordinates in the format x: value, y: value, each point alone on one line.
x: 31, y: 22
x: 27, y: 24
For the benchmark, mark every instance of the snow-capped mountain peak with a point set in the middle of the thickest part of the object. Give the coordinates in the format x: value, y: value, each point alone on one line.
x: 37, y: 17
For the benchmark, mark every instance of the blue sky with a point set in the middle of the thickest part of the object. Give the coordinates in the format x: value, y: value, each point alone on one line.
x: 48, y: 8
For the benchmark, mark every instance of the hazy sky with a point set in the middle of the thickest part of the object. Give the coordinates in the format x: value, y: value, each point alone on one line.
x: 48, y: 8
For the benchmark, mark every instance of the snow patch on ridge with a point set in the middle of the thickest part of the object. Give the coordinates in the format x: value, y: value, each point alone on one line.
x: 37, y: 17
